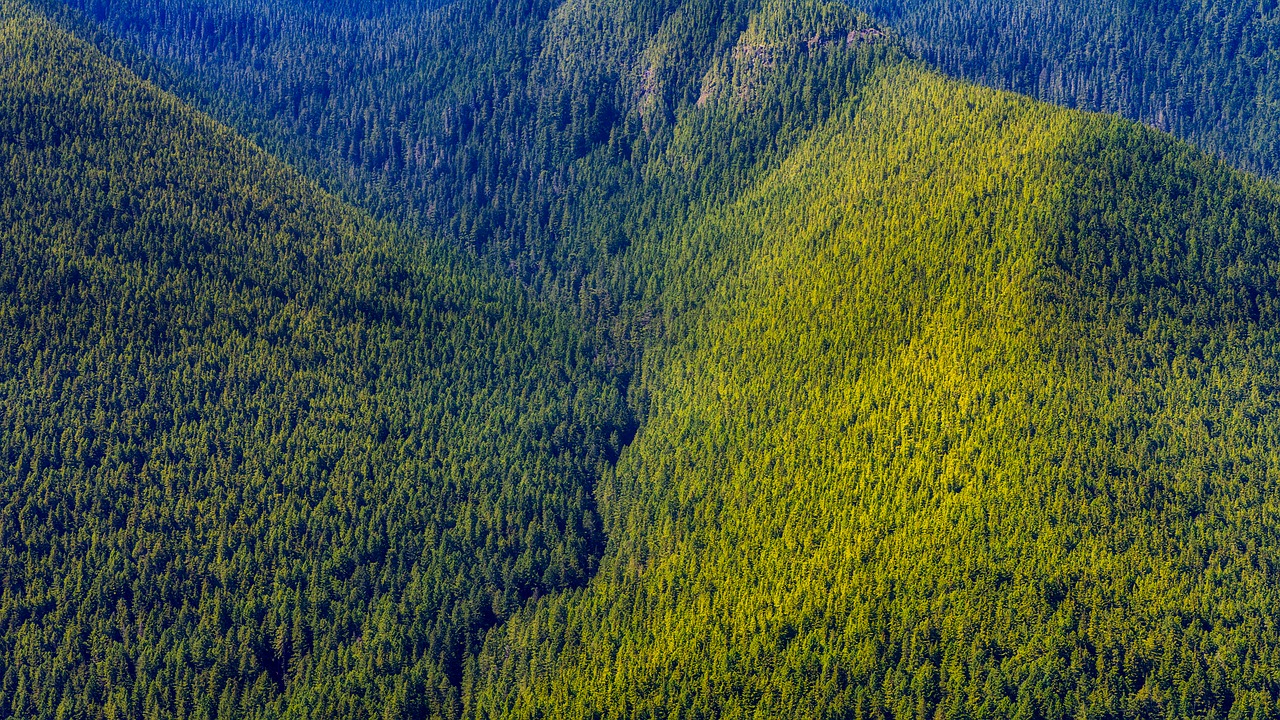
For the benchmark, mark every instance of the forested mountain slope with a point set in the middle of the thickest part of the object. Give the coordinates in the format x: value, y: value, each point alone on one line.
x: 1207, y: 71
x: 954, y: 403
x: 258, y: 452
x: 540, y: 134
x: 464, y: 115
x: 984, y: 425
x: 477, y: 118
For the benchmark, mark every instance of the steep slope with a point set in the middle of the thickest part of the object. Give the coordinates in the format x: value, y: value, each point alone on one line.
x: 540, y: 135
x: 955, y: 403
x: 477, y: 117
x: 985, y: 425
x: 1205, y: 71
x: 259, y: 454
x: 465, y: 115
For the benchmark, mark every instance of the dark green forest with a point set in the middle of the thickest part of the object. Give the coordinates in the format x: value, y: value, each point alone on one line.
x: 490, y: 123
x: 632, y: 359
x: 259, y: 453
x: 1207, y: 71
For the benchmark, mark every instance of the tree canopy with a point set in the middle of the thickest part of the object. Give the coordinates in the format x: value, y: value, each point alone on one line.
x: 259, y: 453
x: 622, y: 359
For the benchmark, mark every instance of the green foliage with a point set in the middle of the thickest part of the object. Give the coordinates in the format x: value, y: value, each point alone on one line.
x: 257, y: 457
x: 542, y: 136
x: 465, y: 116
x: 1206, y: 71
x: 954, y: 403
x: 984, y: 426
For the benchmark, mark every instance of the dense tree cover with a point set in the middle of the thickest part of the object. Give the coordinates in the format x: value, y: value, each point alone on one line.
x: 955, y: 403
x: 984, y: 426
x: 466, y: 115
x: 1208, y: 71
x: 542, y: 135
x: 259, y: 454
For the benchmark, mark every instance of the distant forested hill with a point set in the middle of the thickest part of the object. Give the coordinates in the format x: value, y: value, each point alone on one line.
x: 259, y: 454
x: 476, y: 117
x: 1207, y: 71
x: 540, y: 134
x: 466, y: 116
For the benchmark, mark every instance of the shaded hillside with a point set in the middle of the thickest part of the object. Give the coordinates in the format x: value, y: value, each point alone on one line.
x: 541, y: 135
x: 464, y: 115
x: 1208, y: 72
x: 985, y: 425
x: 257, y: 454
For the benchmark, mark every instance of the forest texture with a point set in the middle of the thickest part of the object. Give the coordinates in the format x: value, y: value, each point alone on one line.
x: 945, y: 401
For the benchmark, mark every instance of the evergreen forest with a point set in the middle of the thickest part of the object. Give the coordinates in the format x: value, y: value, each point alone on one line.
x: 1207, y: 71
x: 260, y: 452
x: 638, y: 359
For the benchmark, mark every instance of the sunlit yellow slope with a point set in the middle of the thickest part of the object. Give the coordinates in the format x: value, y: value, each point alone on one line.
x: 984, y: 427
